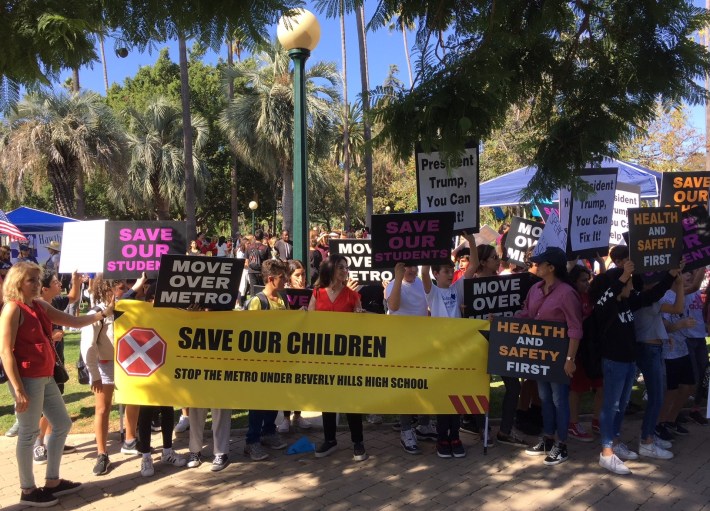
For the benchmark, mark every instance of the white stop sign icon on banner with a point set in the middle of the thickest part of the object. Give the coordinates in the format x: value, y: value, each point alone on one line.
x: 140, y: 352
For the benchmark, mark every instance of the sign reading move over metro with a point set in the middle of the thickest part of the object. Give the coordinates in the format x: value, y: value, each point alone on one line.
x: 210, y: 282
x: 359, y: 255
x: 449, y: 188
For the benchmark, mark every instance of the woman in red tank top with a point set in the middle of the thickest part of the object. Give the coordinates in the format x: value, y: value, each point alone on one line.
x: 332, y: 294
x: 28, y: 359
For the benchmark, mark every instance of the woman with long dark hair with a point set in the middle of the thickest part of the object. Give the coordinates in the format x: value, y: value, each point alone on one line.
x: 332, y: 294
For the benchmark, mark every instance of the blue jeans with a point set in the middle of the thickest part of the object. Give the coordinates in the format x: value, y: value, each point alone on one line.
x: 555, y: 409
x: 261, y: 422
x: 44, y: 398
x: 618, y: 382
x: 649, y: 361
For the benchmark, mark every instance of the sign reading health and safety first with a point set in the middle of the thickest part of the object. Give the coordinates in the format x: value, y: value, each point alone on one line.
x: 359, y: 255
x: 444, y: 188
x: 589, y: 217
x: 210, y: 282
x: 528, y: 348
x: 131, y: 248
x: 312, y: 360
x: 413, y: 238
x: 655, y: 238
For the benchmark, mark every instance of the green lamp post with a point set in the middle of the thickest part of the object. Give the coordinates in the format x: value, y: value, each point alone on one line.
x: 299, y: 34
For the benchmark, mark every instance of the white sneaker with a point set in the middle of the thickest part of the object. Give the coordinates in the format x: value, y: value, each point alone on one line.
x: 303, y: 423
x: 623, y: 452
x: 183, y: 424
x: 663, y: 444
x: 408, y: 440
x: 653, y: 451
x: 147, y: 469
x: 170, y: 457
x: 284, y: 427
x: 613, y: 464
x: 374, y: 419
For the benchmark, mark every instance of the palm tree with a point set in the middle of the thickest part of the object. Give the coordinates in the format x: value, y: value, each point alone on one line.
x: 367, y: 132
x: 259, y: 120
x: 156, y: 170
x: 61, y: 138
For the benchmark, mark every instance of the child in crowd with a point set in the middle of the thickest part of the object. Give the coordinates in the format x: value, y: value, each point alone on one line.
x: 262, y: 423
x: 445, y: 301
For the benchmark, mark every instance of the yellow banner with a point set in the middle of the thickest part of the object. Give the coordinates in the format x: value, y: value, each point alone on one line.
x: 298, y: 360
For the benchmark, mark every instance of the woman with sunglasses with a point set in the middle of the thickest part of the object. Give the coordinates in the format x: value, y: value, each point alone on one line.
x: 332, y: 294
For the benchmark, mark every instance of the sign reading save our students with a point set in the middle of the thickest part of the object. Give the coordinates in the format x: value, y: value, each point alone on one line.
x: 696, y: 238
x: 210, y: 282
x: 131, y: 248
x: 528, y: 348
x: 522, y: 235
x: 444, y: 188
x: 501, y: 295
x: 655, y: 238
x: 415, y: 238
x: 685, y: 189
x: 359, y: 256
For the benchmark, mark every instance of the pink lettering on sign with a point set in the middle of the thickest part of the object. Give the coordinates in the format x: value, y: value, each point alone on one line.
x: 158, y: 234
x: 144, y: 251
x: 412, y: 226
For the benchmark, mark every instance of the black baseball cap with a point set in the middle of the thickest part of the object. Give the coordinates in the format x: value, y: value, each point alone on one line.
x: 553, y: 255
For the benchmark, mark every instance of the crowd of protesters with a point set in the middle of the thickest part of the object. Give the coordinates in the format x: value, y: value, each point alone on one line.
x: 620, y: 327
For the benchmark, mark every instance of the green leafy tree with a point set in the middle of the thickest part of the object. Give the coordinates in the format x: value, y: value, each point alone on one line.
x: 593, y: 72
x: 259, y: 121
x: 57, y: 137
x: 155, y: 172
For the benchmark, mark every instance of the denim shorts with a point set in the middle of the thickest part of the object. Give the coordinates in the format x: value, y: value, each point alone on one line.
x: 106, y: 371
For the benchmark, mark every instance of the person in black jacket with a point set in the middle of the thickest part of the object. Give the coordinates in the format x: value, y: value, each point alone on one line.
x: 615, y: 301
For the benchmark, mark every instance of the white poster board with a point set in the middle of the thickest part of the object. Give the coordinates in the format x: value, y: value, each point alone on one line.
x: 627, y: 196
x: 83, y: 247
x: 441, y: 188
x: 553, y: 234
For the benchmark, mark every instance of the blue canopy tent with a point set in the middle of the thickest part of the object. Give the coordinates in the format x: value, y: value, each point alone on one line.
x: 506, y: 190
x: 40, y: 227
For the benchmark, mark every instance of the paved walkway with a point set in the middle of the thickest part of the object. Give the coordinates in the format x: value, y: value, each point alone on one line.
x: 504, y: 479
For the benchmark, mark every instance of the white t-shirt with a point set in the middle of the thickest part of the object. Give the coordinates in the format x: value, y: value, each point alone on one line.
x: 412, y: 299
x: 446, y: 303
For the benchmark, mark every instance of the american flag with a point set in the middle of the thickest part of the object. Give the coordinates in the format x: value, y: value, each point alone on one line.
x: 7, y: 227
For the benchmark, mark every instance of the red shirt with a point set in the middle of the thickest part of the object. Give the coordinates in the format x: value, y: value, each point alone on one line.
x: 560, y: 304
x: 33, y: 350
x: 344, y: 302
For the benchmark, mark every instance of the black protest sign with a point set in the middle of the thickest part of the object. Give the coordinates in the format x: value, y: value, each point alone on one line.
x: 359, y: 255
x: 528, y: 348
x: 131, y: 248
x: 210, y: 282
x: 501, y: 295
x: 296, y: 298
x: 441, y: 187
x: 588, y: 217
x: 522, y: 235
x: 414, y: 238
x: 696, y: 238
x: 655, y: 238
x: 546, y: 209
x: 685, y: 189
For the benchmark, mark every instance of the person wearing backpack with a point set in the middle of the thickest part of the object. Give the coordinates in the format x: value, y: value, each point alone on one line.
x: 262, y: 423
x: 257, y: 253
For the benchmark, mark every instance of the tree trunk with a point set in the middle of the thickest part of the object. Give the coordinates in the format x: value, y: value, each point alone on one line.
x: 234, y: 171
x: 103, y: 61
x: 190, y: 197
x: 80, y: 203
x: 60, y: 179
x: 365, y: 81
x: 346, y: 122
x: 406, y: 54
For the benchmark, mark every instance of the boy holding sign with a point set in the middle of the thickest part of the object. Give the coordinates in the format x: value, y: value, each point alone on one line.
x: 445, y: 301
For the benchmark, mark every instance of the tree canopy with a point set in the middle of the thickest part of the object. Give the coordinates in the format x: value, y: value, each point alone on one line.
x: 590, y: 72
